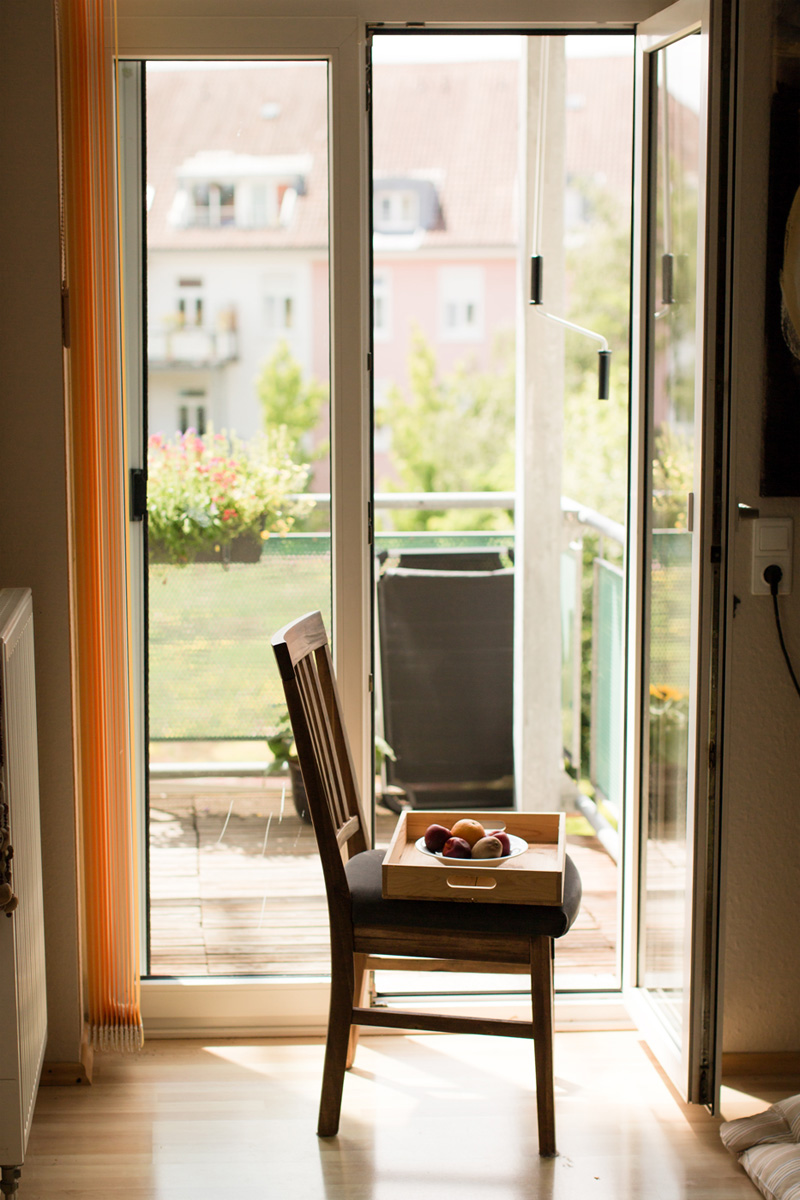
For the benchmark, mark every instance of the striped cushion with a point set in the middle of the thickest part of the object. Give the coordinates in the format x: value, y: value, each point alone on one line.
x: 764, y: 1127
x: 790, y: 1109
x: 775, y: 1170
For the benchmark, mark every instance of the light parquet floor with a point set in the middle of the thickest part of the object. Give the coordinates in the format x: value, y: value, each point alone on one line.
x: 236, y: 886
x: 434, y: 1118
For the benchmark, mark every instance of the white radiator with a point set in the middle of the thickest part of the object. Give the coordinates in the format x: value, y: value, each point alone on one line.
x: 23, y: 1002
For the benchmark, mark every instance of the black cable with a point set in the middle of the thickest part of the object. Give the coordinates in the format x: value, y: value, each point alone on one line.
x: 773, y: 576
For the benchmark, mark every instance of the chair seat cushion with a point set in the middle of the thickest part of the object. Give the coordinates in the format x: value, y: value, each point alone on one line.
x: 370, y: 908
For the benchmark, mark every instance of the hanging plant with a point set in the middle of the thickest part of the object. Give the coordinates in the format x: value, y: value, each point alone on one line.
x: 206, y: 491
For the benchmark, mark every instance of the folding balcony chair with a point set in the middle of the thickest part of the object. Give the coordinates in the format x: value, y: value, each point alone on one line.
x: 368, y: 932
x: 446, y: 652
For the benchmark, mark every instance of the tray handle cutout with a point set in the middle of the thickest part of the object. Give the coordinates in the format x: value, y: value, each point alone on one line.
x: 486, y: 882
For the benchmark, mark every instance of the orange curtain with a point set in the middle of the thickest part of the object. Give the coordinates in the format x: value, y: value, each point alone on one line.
x: 99, y: 521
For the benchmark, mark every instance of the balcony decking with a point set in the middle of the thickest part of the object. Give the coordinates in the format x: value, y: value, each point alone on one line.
x: 236, y: 886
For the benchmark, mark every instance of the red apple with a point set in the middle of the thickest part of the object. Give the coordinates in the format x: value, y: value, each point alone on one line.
x: 456, y: 847
x: 502, y: 838
x: 435, y: 837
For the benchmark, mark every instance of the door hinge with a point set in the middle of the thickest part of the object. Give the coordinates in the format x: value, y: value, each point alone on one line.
x: 369, y: 360
x: 138, y: 493
x: 65, y: 338
x: 712, y: 755
x: 371, y: 682
x: 368, y: 80
x: 369, y: 523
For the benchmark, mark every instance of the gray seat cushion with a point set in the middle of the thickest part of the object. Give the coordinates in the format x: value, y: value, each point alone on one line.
x: 370, y: 908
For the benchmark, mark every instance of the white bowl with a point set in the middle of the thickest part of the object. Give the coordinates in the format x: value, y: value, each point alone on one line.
x: 517, y: 847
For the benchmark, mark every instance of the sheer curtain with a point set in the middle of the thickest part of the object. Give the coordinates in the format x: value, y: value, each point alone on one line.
x: 98, y: 519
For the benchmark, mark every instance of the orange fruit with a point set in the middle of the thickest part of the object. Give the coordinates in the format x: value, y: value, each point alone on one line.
x: 471, y: 831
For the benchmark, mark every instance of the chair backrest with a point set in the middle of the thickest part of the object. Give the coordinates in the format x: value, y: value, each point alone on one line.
x: 303, y: 656
x: 447, y: 668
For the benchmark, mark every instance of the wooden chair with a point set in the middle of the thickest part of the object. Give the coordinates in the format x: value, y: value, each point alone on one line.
x: 368, y: 932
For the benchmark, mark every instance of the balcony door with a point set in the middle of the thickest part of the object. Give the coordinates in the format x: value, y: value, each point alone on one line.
x: 676, y: 553
x: 672, y: 404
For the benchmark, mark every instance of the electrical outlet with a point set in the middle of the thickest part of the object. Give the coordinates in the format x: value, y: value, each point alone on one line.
x: 772, y: 543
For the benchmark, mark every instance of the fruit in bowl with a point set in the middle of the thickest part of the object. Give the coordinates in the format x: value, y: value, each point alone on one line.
x: 488, y: 847
x: 467, y: 839
x: 436, y: 836
x: 468, y: 829
x: 457, y: 847
x: 503, y: 839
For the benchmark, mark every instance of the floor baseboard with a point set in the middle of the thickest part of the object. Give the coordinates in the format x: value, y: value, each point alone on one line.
x: 66, y: 1074
x: 757, y: 1062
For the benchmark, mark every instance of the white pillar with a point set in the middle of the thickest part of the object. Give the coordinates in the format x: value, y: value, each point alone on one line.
x: 540, y: 392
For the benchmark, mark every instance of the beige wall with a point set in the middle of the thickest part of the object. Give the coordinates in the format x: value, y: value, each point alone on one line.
x: 762, y: 780
x: 762, y: 796
x: 33, y: 527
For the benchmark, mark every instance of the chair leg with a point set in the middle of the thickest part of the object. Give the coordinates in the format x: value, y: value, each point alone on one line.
x: 542, y: 997
x: 360, y: 982
x: 339, y: 1021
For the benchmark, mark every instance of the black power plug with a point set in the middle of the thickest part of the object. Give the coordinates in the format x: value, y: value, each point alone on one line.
x: 773, y: 575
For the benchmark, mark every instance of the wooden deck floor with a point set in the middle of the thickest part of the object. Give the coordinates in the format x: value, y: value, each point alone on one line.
x: 236, y: 886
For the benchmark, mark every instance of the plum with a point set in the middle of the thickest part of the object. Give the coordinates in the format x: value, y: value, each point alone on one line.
x: 435, y: 837
x: 488, y: 847
x: 502, y: 838
x: 456, y: 847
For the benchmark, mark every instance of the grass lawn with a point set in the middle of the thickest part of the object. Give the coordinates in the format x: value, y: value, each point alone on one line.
x: 212, y: 670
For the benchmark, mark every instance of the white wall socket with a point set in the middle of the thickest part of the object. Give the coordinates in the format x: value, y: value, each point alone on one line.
x: 772, y: 543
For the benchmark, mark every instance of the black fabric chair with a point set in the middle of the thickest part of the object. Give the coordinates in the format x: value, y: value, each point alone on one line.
x: 446, y: 645
x: 368, y: 932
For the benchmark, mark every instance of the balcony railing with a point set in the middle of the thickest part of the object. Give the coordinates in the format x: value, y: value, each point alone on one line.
x: 191, y: 346
x: 211, y: 623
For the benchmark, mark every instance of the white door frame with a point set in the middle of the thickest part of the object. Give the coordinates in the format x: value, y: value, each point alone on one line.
x: 694, y: 1064
x: 248, y: 30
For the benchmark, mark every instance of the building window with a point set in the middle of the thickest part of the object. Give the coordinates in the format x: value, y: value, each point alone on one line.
x: 396, y: 211
x: 190, y: 303
x: 192, y: 416
x: 381, y: 306
x: 214, y: 204
x: 279, y: 312
x: 461, y: 303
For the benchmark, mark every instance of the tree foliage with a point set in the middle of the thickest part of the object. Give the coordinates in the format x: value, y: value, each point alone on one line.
x: 452, y: 433
x: 289, y: 400
x: 595, y: 468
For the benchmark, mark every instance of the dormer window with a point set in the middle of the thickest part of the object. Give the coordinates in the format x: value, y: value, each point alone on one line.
x: 218, y: 189
x: 214, y: 204
x: 405, y: 205
x: 397, y: 212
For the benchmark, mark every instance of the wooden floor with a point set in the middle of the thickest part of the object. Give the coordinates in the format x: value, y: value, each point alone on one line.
x: 236, y: 886
x: 433, y: 1118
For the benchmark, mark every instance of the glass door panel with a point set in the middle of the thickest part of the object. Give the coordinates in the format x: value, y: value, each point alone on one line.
x: 672, y: 424
x: 450, y: 260
x: 238, y: 505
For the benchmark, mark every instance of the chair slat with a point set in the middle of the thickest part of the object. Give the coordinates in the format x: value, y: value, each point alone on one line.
x: 322, y: 738
x: 342, y: 745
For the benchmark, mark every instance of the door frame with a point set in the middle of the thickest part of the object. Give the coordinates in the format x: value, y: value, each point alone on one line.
x: 695, y: 1066
x: 230, y: 31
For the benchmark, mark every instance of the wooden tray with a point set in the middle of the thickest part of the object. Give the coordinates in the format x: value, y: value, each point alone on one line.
x: 535, y: 877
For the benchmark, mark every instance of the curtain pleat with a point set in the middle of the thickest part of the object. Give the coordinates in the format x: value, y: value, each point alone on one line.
x: 98, y: 521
